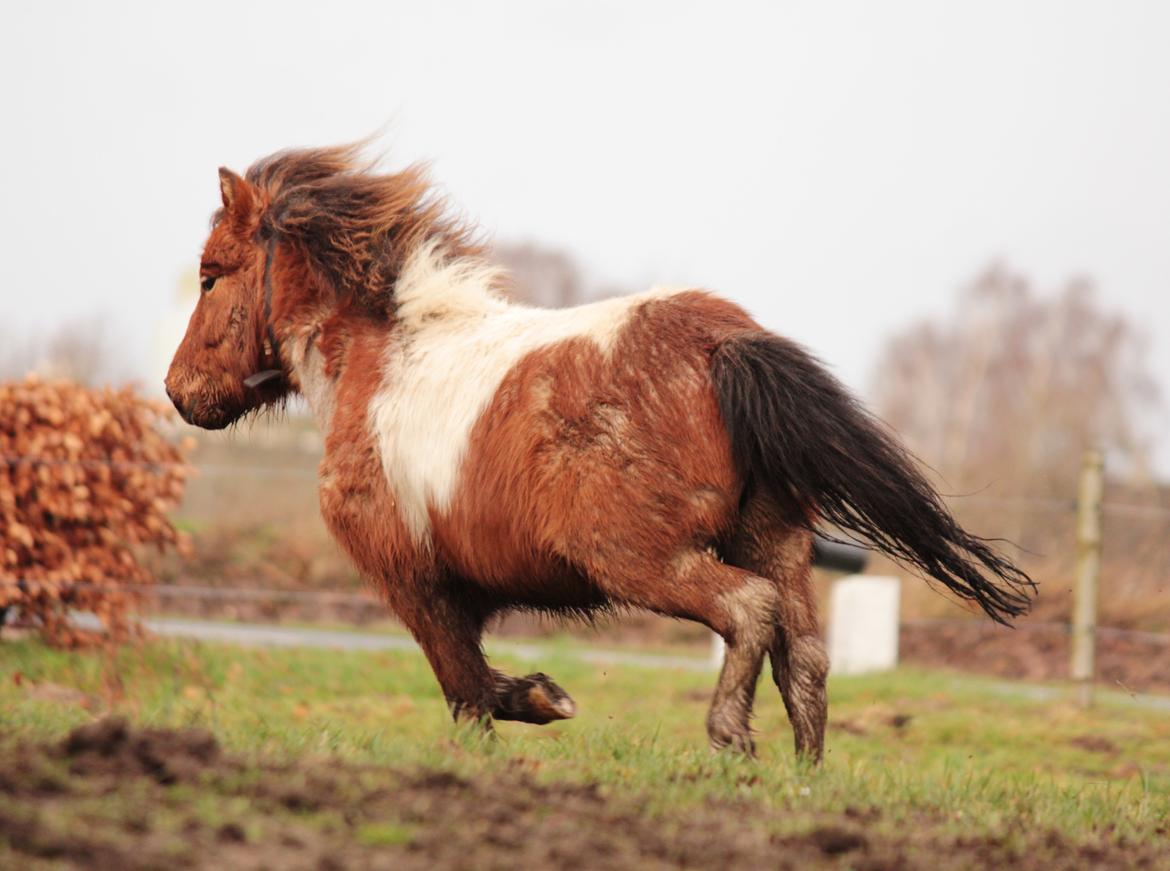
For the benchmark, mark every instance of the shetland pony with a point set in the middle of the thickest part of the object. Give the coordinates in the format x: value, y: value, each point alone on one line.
x: 659, y: 451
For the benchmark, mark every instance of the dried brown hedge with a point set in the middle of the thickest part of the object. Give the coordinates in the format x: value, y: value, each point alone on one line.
x: 86, y: 479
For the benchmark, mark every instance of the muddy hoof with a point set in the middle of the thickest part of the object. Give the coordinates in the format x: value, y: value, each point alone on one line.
x: 732, y: 740
x: 534, y: 699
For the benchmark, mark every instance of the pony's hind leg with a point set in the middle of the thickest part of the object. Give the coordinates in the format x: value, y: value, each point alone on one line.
x: 737, y: 605
x: 748, y: 627
x: 767, y: 545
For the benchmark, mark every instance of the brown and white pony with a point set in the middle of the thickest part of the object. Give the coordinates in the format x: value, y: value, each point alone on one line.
x: 660, y: 451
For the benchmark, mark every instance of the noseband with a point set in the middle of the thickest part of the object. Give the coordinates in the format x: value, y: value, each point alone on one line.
x: 271, y: 346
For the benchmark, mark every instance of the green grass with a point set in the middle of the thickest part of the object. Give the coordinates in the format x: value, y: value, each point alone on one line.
x: 908, y: 743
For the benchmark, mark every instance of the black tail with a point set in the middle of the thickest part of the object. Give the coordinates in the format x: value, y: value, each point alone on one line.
x: 797, y: 431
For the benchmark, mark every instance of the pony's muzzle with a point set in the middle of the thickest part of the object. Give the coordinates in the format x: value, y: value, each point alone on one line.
x: 180, y: 406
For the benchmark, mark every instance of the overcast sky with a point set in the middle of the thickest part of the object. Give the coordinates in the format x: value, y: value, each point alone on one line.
x: 838, y: 168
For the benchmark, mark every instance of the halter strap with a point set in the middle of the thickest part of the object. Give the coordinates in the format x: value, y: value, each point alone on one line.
x: 272, y: 349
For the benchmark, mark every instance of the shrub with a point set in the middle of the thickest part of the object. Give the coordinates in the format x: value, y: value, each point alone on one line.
x: 86, y: 479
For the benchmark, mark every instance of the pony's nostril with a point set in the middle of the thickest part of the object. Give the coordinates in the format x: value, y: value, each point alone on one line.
x: 180, y: 406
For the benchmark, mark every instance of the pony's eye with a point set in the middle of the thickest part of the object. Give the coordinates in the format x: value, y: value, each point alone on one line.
x: 207, y: 283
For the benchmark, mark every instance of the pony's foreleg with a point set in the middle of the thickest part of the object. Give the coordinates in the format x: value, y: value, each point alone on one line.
x: 448, y: 628
x: 765, y: 544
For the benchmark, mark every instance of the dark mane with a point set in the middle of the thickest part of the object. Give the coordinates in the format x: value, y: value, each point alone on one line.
x: 355, y: 226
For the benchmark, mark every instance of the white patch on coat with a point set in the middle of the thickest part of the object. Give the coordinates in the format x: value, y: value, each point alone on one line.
x: 456, y: 342
x: 317, y: 388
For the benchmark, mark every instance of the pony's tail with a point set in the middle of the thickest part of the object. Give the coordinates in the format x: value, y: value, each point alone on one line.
x: 796, y: 431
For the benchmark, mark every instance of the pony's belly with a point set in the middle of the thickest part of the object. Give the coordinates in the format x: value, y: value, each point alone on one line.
x: 556, y: 594
x: 497, y: 561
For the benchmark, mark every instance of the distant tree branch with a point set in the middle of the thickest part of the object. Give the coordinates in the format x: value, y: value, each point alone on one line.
x: 1012, y: 385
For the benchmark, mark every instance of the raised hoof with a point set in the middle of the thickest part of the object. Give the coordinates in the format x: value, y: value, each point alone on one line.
x: 534, y: 699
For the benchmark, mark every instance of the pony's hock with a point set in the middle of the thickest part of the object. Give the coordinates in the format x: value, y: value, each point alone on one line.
x: 660, y: 451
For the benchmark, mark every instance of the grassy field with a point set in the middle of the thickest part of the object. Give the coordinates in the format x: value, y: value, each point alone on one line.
x: 925, y: 768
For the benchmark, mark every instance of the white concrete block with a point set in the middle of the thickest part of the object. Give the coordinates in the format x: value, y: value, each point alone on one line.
x: 863, y: 624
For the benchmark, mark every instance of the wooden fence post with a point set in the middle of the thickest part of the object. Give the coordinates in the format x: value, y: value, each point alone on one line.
x: 1084, y: 626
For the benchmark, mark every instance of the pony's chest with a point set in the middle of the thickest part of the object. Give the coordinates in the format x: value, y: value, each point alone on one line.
x: 424, y: 414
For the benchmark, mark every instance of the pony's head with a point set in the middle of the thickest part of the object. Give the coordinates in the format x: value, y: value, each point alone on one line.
x: 226, y: 364
x: 306, y: 236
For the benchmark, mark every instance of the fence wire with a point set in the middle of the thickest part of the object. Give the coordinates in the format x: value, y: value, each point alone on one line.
x: 215, y: 487
x: 236, y: 472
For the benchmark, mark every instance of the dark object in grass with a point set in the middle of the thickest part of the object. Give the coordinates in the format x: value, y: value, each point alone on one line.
x: 839, y: 556
x: 833, y: 840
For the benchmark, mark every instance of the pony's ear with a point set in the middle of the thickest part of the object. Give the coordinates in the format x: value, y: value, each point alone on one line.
x: 238, y: 201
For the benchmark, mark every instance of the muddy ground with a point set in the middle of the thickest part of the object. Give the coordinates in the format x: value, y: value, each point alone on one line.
x: 113, y: 796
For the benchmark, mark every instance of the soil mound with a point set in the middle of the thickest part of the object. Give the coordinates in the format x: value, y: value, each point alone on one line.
x: 111, y: 747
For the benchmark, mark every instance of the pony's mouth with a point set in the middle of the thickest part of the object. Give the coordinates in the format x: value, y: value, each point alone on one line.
x: 216, y: 408
x: 203, y: 411
x: 207, y: 416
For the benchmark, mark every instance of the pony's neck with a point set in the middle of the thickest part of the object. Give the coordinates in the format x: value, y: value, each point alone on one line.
x: 434, y: 291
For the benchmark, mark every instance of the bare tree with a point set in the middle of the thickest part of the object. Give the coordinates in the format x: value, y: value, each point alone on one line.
x: 1002, y: 395
x: 1012, y: 386
x: 543, y: 276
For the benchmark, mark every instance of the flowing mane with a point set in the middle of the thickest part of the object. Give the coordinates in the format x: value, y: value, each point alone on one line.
x: 356, y: 226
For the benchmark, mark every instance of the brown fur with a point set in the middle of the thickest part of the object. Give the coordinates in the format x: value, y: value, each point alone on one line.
x: 643, y: 475
x: 442, y: 613
x: 577, y: 460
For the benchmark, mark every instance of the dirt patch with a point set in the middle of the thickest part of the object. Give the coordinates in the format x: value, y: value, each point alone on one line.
x: 833, y: 840
x: 110, y: 795
x: 110, y: 746
x: 1094, y: 744
x: 874, y: 719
